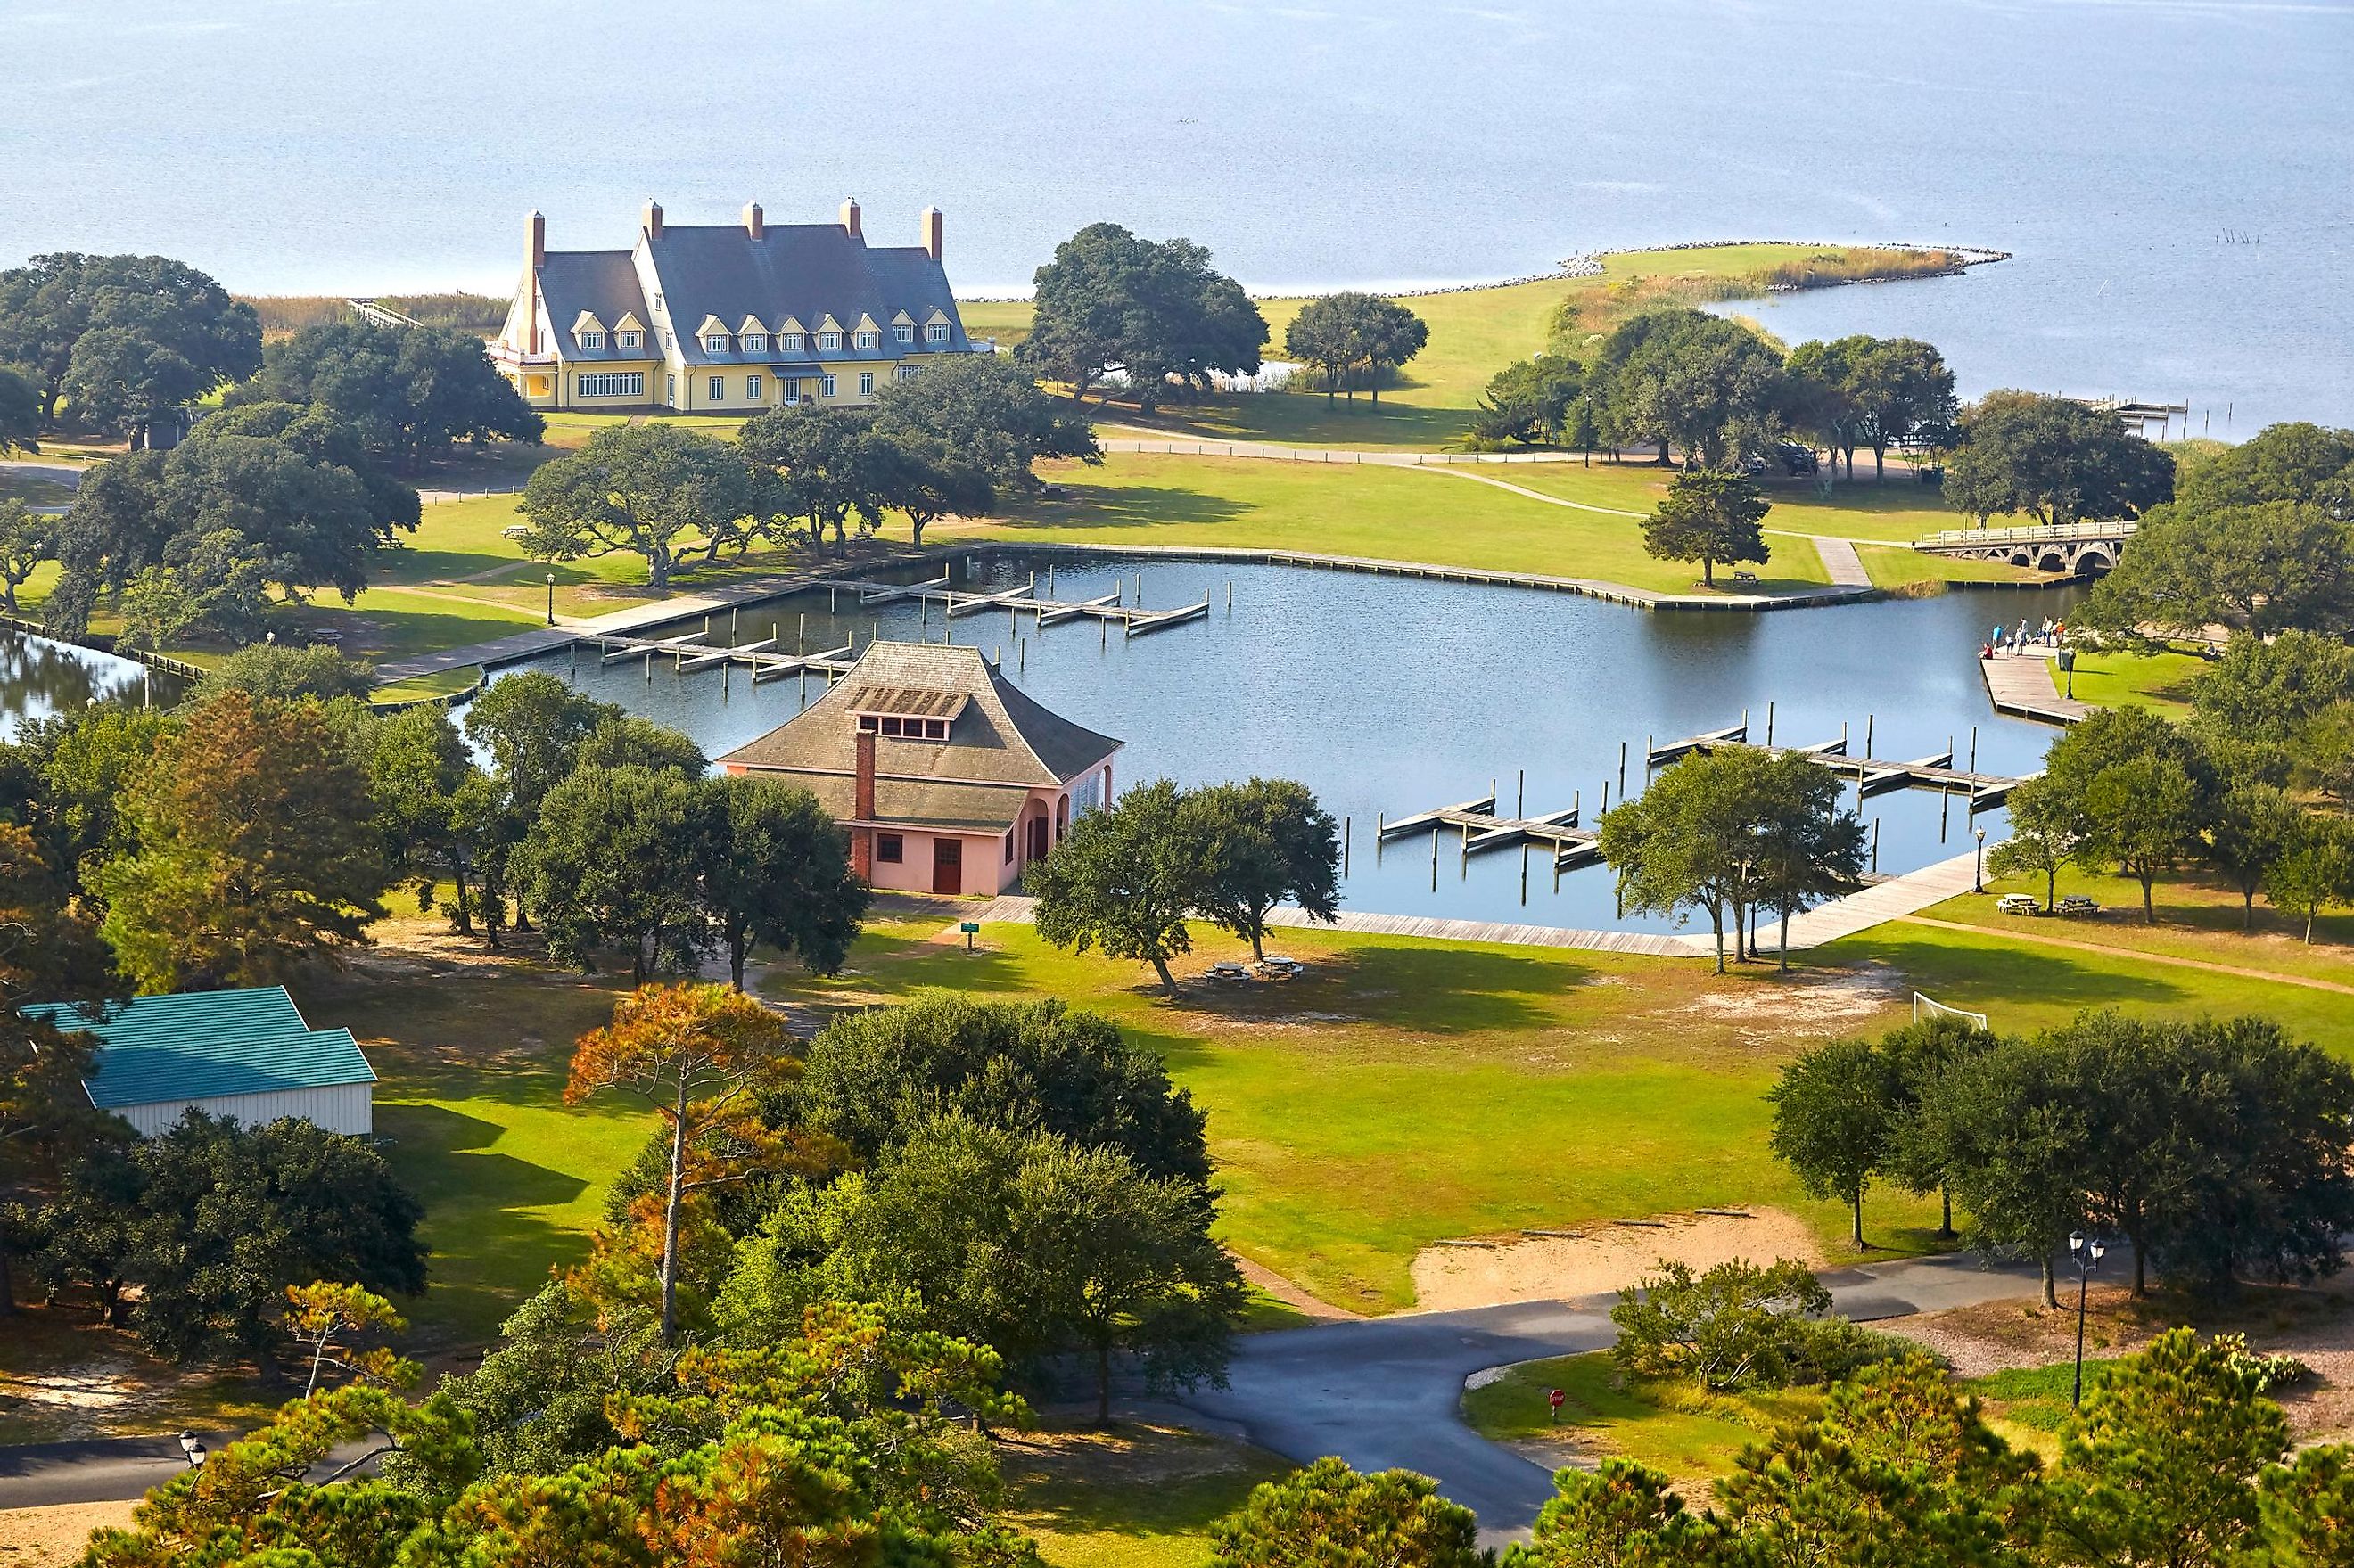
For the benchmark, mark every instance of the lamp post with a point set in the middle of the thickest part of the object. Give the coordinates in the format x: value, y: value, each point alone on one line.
x: 194, y: 1448
x: 2068, y: 668
x: 551, y: 598
x: 2087, y: 1254
x: 1977, y: 865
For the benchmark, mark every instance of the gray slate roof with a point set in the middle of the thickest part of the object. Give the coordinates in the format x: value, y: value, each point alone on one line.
x: 805, y: 270
x: 203, y: 1045
x: 1001, y: 739
x: 605, y: 284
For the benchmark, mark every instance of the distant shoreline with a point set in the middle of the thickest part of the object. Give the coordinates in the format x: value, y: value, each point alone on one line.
x: 1586, y: 264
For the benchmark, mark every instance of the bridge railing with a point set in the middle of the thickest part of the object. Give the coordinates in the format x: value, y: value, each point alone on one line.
x: 2058, y: 534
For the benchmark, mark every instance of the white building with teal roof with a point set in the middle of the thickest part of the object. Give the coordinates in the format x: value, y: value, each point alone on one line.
x: 248, y: 1053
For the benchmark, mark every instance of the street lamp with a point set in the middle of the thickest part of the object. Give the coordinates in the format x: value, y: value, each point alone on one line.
x: 1977, y: 865
x: 2087, y: 1254
x: 551, y: 598
x: 194, y: 1447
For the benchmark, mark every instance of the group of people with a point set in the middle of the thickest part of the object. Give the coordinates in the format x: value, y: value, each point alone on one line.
x: 2008, y: 641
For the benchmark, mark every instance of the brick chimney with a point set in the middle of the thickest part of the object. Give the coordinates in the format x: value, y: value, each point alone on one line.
x: 755, y: 223
x: 862, y: 839
x: 850, y: 219
x: 932, y: 232
x: 650, y: 221
x: 534, y: 252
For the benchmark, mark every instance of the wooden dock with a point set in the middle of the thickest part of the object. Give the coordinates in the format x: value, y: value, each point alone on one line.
x: 691, y: 653
x: 877, y: 593
x: 1872, y: 775
x: 1572, y: 845
x: 2020, y: 684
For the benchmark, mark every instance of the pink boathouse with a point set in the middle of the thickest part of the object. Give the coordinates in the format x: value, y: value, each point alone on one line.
x: 946, y: 776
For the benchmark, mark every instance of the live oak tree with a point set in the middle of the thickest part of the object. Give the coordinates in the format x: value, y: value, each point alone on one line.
x: 26, y: 541
x: 1807, y: 848
x: 409, y: 392
x: 926, y: 480
x: 699, y: 1055
x: 1331, y: 1514
x: 2324, y: 757
x: 987, y: 411
x: 2056, y: 460
x: 1125, y: 879
x: 1835, y: 1122
x: 128, y: 325
x: 1691, y: 382
x: 2314, y: 872
x: 1533, y: 400
x: 2254, y: 827
x: 1920, y: 1057
x: 637, y: 489
x: 830, y: 467
x: 2275, y: 567
x: 2045, y: 830
x: 1270, y: 842
x: 1158, y: 309
x: 2296, y: 462
x: 872, y: 1078
x: 1708, y: 516
x: 608, y: 862
x: 1354, y: 338
x: 1901, y: 388
x: 775, y: 870
x: 20, y: 409
x: 252, y: 857
x: 533, y: 726
x: 2134, y: 790
x: 2268, y: 689
x: 630, y: 740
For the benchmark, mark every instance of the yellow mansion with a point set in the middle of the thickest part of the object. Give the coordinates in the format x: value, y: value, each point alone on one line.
x: 726, y: 318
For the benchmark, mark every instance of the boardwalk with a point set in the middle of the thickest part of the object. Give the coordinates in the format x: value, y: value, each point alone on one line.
x: 1884, y: 901
x: 1839, y: 559
x: 2020, y: 684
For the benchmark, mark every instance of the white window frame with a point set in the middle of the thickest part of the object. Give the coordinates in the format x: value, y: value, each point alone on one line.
x: 937, y: 333
x: 755, y: 343
x: 866, y: 384
x: 825, y: 385
x: 906, y: 372
x: 715, y: 343
x: 718, y: 388
x: 590, y: 340
x: 868, y: 340
x: 668, y: 340
x: 670, y: 389
x: 829, y: 342
x: 632, y: 340
x: 791, y: 343
x: 752, y: 389
x: 904, y: 331
x: 610, y: 383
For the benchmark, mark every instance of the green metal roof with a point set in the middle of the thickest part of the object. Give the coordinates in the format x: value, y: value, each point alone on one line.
x: 202, y: 1044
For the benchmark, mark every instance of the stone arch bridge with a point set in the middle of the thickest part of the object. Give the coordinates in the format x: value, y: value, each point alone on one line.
x: 2077, y: 549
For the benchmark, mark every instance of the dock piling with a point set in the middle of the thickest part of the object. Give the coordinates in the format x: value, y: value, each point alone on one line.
x: 1622, y: 768
x: 1769, y: 721
x: 1875, y: 845
x: 1869, y: 720
x: 1520, y: 795
x: 1345, y: 845
x: 1974, y: 748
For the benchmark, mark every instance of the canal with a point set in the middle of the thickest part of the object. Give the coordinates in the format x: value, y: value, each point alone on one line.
x: 1390, y: 696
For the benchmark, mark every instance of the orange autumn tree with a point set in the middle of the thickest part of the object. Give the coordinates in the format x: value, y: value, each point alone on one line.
x: 700, y: 1055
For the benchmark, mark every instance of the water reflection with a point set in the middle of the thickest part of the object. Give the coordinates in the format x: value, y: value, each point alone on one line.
x: 38, y: 677
x: 1390, y: 696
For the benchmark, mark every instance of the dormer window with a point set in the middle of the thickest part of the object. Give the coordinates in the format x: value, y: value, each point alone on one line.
x: 714, y: 342
x: 632, y: 340
x: 903, y: 728
x: 592, y: 340
x: 938, y: 333
x: 870, y: 340
x: 829, y: 341
x: 791, y: 342
x: 755, y: 343
x: 905, y: 331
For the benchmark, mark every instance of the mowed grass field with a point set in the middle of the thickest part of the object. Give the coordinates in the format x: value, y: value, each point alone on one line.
x: 1407, y: 1091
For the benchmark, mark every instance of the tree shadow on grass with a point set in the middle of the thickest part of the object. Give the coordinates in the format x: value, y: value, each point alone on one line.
x: 2023, y: 976
x: 489, y: 1250
x: 1125, y: 506
x: 1423, y: 987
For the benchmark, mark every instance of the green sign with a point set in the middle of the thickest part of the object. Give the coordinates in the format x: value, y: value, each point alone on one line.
x: 970, y: 928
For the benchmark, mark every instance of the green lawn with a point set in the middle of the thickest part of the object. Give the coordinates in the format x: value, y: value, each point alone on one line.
x: 472, y: 1070
x: 1691, y: 1436
x: 1399, y: 513
x: 33, y: 489
x: 1406, y: 1091
x: 1138, y: 1496
x: 1473, y: 334
x: 2159, y: 681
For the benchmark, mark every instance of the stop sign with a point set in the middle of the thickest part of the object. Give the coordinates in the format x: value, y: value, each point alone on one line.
x: 1553, y: 1397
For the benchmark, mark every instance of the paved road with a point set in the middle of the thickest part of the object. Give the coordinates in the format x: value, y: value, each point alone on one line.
x: 1385, y: 1392
x: 101, y: 1469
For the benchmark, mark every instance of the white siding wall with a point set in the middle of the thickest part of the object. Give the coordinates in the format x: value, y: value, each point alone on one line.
x: 344, y: 1107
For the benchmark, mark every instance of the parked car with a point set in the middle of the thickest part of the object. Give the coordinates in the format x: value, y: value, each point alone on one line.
x: 2018, y: 904
x: 1796, y: 461
x: 2077, y: 904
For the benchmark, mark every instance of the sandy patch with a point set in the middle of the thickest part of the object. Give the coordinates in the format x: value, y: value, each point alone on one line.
x: 80, y: 1401
x: 1602, y: 1257
x: 53, y: 1537
x: 1817, y: 1003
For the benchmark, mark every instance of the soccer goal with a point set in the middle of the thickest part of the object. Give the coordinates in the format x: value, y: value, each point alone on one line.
x: 1929, y: 1007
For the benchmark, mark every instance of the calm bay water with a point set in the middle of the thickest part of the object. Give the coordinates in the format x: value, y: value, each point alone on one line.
x: 38, y: 677
x: 299, y: 145
x: 1390, y: 696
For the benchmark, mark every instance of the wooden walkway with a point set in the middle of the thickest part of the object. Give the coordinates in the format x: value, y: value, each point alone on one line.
x: 1872, y: 775
x: 1882, y: 902
x: 1839, y: 559
x: 2020, y: 684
